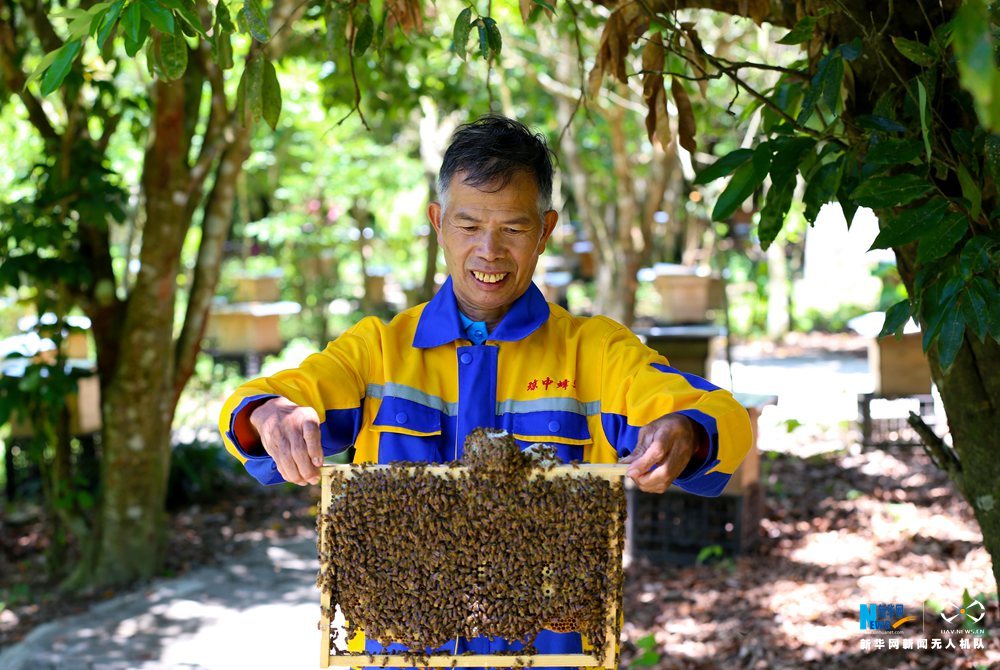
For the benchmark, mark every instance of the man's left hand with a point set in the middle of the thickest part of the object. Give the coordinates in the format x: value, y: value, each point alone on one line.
x: 666, y: 445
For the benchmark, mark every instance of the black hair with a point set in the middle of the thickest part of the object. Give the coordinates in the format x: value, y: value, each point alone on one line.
x: 491, y: 150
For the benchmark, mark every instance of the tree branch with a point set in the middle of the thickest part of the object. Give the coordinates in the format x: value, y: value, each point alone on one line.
x: 14, y: 79
x: 943, y: 456
x: 47, y: 35
x: 222, y: 135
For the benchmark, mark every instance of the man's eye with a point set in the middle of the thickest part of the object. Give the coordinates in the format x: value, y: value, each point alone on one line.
x: 515, y: 231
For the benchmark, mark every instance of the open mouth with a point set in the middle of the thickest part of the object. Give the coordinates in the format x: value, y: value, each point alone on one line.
x: 489, y: 278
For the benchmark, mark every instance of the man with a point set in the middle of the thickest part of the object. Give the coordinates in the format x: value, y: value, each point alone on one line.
x: 489, y: 351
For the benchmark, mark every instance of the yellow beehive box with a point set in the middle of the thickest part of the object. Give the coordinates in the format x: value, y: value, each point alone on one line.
x: 258, y: 288
x: 84, y: 411
x: 687, y: 296
x: 247, y: 327
x: 900, y: 366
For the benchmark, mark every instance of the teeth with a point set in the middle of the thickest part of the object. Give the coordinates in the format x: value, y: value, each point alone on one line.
x: 488, y: 278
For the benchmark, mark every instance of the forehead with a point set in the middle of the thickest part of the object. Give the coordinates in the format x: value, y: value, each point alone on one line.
x: 520, y: 193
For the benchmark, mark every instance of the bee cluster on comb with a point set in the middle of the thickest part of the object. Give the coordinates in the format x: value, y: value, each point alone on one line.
x: 500, y: 545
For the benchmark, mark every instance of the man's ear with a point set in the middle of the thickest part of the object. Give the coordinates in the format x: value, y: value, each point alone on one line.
x: 549, y: 220
x: 434, y: 213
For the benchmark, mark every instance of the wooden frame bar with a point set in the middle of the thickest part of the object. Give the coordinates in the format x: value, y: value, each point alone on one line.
x: 610, y: 471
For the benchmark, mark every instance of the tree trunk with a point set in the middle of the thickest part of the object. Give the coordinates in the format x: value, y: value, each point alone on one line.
x: 970, y: 392
x: 138, y: 400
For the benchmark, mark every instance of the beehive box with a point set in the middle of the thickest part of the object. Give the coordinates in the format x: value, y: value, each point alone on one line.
x: 476, y: 594
x: 84, y: 411
x: 900, y: 366
x: 258, y: 288
x: 247, y: 327
x: 688, y: 297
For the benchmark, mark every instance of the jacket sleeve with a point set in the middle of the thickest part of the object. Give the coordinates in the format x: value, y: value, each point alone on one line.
x: 639, y: 386
x: 332, y: 382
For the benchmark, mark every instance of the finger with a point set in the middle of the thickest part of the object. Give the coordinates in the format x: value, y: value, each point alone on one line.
x: 660, y: 479
x: 310, y: 432
x: 641, y: 443
x: 303, y: 463
x: 286, y: 463
x: 650, y: 457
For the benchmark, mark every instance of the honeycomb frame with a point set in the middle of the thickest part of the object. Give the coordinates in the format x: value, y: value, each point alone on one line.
x: 612, y: 472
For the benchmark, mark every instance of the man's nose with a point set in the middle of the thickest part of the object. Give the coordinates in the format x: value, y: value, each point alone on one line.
x: 491, y: 246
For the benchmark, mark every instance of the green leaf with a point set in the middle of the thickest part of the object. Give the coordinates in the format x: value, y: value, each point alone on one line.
x: 151, y: 58
x: 724, y: 166
x: 222, y: 48
x: 907, y: 226
x: 975, y: 257
x: 951, y: 338
x: 484, y: 40
x: 895, y: 318
x: 976, y: 311
x: 991, y: 151
x: 974, y: 50
x: 271, y: 94
x: 460, y: 33
x: 851, y: 50
x: 876, y: 122
x: 42, y: 66
x: 363, y: 38
x: 831, y: 82
x: 891, y: 191
x: 61, y: 65
x: 983, y: 288
x: 890, y: 151
x: 743, y: 183
x: 130, y: 21
x: 158, y: 16
x: 801, y: 32
x: 172, y: 57
x: 784, y: 166
x: 188, y: 12
x: 970, y: 191
x: 133, y: 47
x: 924, y: 129
x: 223, y: 17
x: 938, y: 301
x: 249, y: 96
x: 817, y: 85
x: 921, y: 54
x: 942, y: 238
x: 256, y: 20
x: 646, y: 659
x: 493, y: 36
x: 109, y: 22
x: 646, y: 642
x: 822, y: 188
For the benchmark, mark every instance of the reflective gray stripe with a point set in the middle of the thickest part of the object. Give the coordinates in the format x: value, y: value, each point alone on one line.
x: 507, y: 406
x: 549, y: 405
x: 412, y: 394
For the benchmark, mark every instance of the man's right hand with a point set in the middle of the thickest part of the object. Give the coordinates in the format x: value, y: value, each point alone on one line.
x: 289, y: 434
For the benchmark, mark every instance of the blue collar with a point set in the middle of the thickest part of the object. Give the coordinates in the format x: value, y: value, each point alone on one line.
x: 441, y: 322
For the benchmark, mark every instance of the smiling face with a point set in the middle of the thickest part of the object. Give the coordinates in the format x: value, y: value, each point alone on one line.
x: 491, y: 243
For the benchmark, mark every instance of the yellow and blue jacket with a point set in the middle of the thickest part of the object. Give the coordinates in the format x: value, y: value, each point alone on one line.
x: 413, y: 389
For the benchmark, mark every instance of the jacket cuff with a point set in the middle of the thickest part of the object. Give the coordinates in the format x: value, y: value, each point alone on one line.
x: 241, y: 433
x: 693, y: 479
